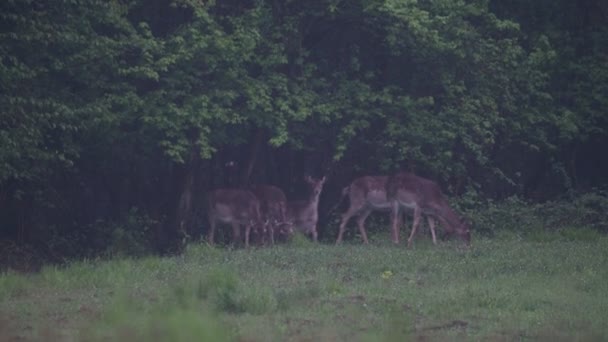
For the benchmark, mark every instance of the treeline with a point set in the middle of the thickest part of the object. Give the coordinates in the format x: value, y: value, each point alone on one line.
x: 117, y: 116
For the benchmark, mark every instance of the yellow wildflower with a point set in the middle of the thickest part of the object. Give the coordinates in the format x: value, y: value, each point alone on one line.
x: 387, y: 274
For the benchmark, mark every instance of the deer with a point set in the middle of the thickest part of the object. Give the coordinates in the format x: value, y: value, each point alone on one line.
x: 407, y: 191
x: 236, y: 207
x: 368, y: 194
x: 304, y: 213
x: 273, y: 206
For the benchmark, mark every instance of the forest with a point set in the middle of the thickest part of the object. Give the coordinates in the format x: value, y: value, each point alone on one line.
x: 117, y: 117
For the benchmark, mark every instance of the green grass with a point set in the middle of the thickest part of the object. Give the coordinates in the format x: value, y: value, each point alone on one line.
x: 510, y: 287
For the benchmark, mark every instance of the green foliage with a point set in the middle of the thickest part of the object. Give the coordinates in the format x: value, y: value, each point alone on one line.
x: 132, y: 236
x: 227, y: 293
x: 447, y: 83
x: 300, y: 240
x: 13, y: 284
x: 580, y: 217
x: 14, y: 256
x: 61, y: 75
x: 165, y: 321
x: 105, y: 106
x: 222, y: 286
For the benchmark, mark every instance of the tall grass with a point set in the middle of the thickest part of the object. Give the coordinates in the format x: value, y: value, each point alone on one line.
x: 507, y: 287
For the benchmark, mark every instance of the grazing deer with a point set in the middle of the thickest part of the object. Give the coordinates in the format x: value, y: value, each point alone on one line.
x: 423, y: 196
x: 235, y: 207
x: 304, y: 214
x: 273, y: 206
x: 368, y: 194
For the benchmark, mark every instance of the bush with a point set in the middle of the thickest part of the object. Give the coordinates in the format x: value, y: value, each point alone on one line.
x: 20, y: 257
x: 227, y: 293
x: 581, y: 216
x: 580, y: 234
x: 300, y: 240
x: 13, y: 284
x: 131, y: 236
x: 165, y: 321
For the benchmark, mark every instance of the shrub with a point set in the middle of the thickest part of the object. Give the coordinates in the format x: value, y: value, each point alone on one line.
x: 575, y: 216
x: 13, y: 284
x: 300, y: 240
x: 580, y: 234
x: 227, y: 293
x: 128, y: 321
x: 132, y: 237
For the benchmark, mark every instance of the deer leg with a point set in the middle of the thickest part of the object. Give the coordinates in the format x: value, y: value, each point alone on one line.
x: 315, y: 235
x: 247, y: 232
x: 394, y: 221
x: 211, y: 230
x: 432, y: 227
x: 414, y: 226
x: 361, y: 224
x: 349, y: 213
x: 400, y: 221
x: 272, y: 227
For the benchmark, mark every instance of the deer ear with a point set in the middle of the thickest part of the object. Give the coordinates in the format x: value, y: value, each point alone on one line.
x: 323, y: 179
x: 308, y: 179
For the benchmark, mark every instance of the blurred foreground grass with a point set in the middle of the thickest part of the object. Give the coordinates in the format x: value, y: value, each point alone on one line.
x: 507, y: 287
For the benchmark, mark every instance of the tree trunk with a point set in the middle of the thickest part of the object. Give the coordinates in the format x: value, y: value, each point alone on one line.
x: 253, y: 156
x: 184, y: 212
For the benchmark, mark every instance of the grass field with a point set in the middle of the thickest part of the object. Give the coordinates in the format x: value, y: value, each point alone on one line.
x: 542, y: 287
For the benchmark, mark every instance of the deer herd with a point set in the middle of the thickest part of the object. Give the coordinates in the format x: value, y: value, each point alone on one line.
x: 265, y: 211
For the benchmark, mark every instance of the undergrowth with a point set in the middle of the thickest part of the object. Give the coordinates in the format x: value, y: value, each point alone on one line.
x: 532, y: 272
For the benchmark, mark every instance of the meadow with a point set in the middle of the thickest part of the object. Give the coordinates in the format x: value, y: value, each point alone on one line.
x: 546, y: 286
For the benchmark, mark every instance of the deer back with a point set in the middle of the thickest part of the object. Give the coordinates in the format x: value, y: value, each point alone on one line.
x: 414, y: 191
x: 234, y: 205
x: 369, y: 191
x: 272, y: 200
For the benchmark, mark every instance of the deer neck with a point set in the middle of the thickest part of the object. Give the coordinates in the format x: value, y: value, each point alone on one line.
x: 313, y: 201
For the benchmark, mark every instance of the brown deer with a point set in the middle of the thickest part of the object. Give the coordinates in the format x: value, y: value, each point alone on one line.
x: 273, y: 206
x: 235, y: 207
x: 423, y: 196
x: 368, y: 194
x: 304, y: 214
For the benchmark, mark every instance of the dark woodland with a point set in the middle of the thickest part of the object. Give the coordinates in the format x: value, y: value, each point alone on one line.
x: 118, y: 117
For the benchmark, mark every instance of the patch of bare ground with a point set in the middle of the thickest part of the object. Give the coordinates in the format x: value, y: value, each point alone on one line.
x: 88, y: 312
x: 436, y: 332
x: 304, y: 329
x: 354, y: 299
x: 246, y: 339
x: 454, y: 324
x: 8, y: 331
x: 297, y: 325
x: 562, y: 330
